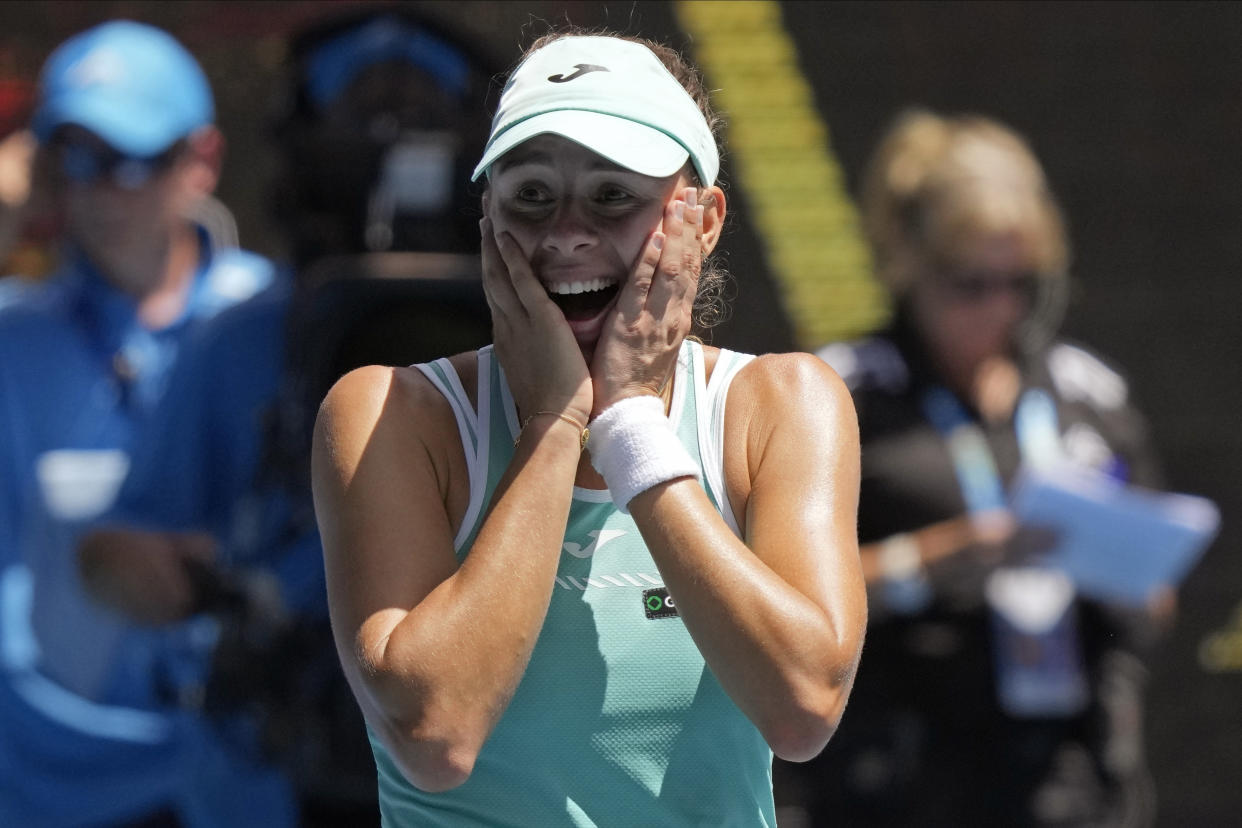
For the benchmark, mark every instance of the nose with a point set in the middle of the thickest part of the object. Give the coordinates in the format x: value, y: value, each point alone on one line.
x: 570, y: 231
x: 1010, y: 307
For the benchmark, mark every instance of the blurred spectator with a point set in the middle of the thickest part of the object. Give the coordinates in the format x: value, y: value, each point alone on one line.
x: 27, y: 223
x: 89, y: 732
x: 954, y: 720
x: 378, y: 135
x: 17, y: 151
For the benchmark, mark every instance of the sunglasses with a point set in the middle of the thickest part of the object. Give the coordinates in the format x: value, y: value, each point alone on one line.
x: 974, y: 288
x: 84, y: 163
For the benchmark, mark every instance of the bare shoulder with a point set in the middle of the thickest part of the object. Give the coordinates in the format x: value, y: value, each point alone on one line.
x: 791, y: 387
x: 377, y: 406
x: 362, y: 398
x: 371, y: 391
x: 789, y: 408
x: 790, y: 430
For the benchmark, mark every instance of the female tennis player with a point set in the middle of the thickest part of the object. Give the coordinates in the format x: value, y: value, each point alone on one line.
x: 596, y: 572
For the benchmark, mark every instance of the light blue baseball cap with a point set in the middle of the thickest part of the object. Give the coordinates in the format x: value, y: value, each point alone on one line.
x: 131, y: 84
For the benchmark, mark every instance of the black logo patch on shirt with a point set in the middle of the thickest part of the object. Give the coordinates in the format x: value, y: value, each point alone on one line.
x: 658, y: 603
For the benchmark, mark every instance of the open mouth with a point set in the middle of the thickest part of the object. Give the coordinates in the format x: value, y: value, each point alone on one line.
x: 583, y: 301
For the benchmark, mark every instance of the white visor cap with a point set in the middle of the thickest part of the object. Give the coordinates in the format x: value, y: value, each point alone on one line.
x: 613, y: 97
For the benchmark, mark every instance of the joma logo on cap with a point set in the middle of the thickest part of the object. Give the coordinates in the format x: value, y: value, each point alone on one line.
x: 582, y: 69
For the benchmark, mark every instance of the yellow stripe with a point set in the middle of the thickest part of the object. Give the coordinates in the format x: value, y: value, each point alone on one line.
x: 784, y: 164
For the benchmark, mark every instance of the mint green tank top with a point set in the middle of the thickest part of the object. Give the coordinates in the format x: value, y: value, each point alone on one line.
x: 617, y: 721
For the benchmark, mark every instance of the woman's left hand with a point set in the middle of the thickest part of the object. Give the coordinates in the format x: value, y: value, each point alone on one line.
x: 638, y: 348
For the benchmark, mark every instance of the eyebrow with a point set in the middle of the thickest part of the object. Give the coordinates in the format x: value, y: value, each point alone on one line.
x: 522, y: 157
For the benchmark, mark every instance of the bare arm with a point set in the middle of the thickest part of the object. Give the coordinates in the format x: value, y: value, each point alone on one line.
x: 432, y: 677
x: 780, y: 614
x: 390, y: 481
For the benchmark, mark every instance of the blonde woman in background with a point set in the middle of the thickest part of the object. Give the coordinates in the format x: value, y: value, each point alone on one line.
x: 957, y: 719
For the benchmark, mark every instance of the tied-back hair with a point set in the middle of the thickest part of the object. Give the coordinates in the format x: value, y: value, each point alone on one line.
x: 711, y: 304
x: 936, y: 182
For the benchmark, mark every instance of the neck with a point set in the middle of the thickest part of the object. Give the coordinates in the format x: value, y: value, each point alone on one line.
x: 160, y: 281
x: 994, y: 389
x: 990, y: 384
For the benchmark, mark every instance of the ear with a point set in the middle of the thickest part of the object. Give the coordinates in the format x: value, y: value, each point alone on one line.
x: 204, y: 158
x: 714, y: 209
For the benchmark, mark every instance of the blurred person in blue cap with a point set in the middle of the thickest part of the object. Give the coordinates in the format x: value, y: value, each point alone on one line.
x: 378, y: 129
x: 93, y: 725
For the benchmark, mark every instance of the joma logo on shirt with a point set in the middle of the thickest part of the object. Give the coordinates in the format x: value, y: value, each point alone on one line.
x: 599, y: 537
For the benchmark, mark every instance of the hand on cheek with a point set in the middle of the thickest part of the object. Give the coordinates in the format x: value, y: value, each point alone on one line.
x: 638, y: 349
x: 545, y: 369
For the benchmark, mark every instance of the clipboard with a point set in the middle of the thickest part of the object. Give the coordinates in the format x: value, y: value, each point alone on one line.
x: 1118, y: 543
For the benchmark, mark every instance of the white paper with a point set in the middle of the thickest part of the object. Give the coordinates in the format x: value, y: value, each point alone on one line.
x: 1118, y: 543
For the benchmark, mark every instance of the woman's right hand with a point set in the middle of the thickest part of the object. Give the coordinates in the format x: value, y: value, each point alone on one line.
x: 542, y: 361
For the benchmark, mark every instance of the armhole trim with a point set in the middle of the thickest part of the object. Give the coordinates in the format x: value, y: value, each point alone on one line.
x: 508, y: 406
x: 689, y: 362
x: 472, y: 428
x: 713, y: 395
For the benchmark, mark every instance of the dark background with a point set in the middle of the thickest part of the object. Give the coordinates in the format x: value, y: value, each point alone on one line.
x: 1136, y: 111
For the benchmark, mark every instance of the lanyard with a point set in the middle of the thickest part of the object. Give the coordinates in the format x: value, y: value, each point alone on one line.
x: 1036, y: 652
x: 1038, y: 440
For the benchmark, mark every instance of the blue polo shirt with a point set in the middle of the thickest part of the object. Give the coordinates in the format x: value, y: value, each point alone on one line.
x: 85, y: 730
x: 202, y: 467
x: 12, y: 288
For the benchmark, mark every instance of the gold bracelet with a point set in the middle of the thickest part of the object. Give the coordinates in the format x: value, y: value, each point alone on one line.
x: 582, y: 438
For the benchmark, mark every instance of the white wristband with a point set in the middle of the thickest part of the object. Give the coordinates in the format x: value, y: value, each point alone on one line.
x: 633, y: 447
